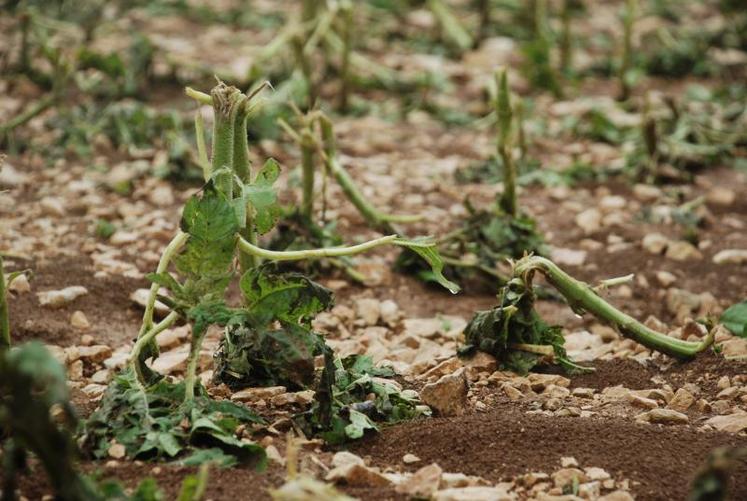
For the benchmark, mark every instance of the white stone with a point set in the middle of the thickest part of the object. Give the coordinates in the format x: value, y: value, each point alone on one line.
x: 655, y: 243
x: 589, y: 220
x: 52, y: 206
x: 20, y: 284
x: 732, y: 256
x: 733, y: 423
x: 448, y: 395
x: 369, y: 309
x: 424, y: 483
x: 79, y: 320
x: 62, y: 297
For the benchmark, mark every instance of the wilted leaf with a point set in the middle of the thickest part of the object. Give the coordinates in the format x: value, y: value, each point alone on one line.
x: 735, y: 319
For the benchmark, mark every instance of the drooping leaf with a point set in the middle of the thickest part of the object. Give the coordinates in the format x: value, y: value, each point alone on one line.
x: 427, y: 249
x: 263, y: 356
x: 152, y: 424
x: 32, y: 385
x: 512, y: 329
x: 288, y: 297
x: 735, y: 319
x: 211, y: 222
x: 261, y: 196
x: 343, y: 409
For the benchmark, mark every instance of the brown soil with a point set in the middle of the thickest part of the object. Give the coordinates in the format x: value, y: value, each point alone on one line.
x: 113, y: 316
x: 662, y: 459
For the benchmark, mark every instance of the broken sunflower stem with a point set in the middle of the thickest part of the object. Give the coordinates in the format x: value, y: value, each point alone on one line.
x: 507, y: 202
x: 298, y: 255
x: 147, y: 337
x: 190, y: 377
x: 307, y: 173
x: 629, y: 15
x: 373, y: 216
x: 163, y: 264
x: 4, y: 316
x: 581, y: 297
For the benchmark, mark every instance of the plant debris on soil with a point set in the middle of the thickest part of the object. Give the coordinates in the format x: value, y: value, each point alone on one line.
x: 423, y: 249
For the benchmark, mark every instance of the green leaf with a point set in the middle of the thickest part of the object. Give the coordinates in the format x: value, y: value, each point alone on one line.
x: 289, y: 297
x: 426, y: 249
x: 735, y: 319
x: 514, y: 322
x: 262, y: 197
x: 211, y: 222
x: 158, y: 429
x: 214, y: 455
x: 169, y: 444
x: 359, y: 423
x: 251, y: 356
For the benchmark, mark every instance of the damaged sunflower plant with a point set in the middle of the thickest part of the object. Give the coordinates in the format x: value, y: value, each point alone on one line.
x: 268, y: 339
x: 487, y: 236
x: 520, y: 339
x: 299, y: 228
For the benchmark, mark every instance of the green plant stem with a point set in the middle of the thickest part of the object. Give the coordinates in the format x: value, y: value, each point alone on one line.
x: 223, y: 136
x: 190, y: 377
x: 298, y: 255
x: 581, y: 297
x: 483, y: 7
x: 451, y: 26
x: 538, y: 349
x: 4, y: 315
x: 566, y: 39
x: 307, y: 166
x: 145, y: 339
x: 629, y: 15
x: 507, y: 201
x: 163, y: 264
x: 34, y: 110
x: 202, y: 156
x: 241, y: 165
x: 373, y: 217
x: 198, y: 96
x: 346, y: 27
x: 361, y: 63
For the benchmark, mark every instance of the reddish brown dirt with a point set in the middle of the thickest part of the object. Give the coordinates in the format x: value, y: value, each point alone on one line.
x: 663, y: 459
x: 107, y: 306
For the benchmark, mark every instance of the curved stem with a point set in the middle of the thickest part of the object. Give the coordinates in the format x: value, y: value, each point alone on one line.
x: 307, y: 166
x: 581, y: 296
x: 190, y: 377
x: 4, y: 318
x: 372, y: 215
x: 298, y: 255
x: 202, y: 155
x: 147, y: 337
x: 163, y: 264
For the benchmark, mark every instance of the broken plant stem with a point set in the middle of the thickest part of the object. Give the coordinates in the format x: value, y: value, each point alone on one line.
x: 629, y: 15
x: 581, y: 297
x: 538, y: 349
x: 507, y: 202
x: 190, y: 376
x: 202, y: 156
x: 298, y: 255
x: 346, y: 26
x: 4, y: 316
x: 566, y: 39
x: 373, y: 216
x: 614, y: 282
x: 163, y: 264
x: 307, y: 179
x: 147, y: 337
x: 34, y: 110
x: 450, y: 24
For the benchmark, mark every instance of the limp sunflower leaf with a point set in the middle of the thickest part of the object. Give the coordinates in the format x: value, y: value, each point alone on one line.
x: 426, y: 248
